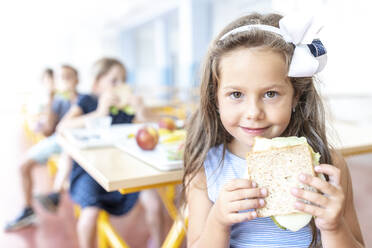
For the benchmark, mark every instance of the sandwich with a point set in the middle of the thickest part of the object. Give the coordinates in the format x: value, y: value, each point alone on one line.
x: 123, y: 92
x: 275, y: 164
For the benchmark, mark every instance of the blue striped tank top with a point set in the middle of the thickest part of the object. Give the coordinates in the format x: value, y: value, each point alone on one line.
x: 259, y: 232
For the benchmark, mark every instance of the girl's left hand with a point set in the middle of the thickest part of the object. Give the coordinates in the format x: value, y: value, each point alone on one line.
x: 330, y: 200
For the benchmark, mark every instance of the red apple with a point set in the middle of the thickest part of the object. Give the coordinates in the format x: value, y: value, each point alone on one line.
x: 167, y: 123
x: 147, y: 138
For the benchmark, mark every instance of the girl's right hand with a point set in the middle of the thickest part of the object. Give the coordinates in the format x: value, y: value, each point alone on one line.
x: 238, y: 195
x: 106, y: 100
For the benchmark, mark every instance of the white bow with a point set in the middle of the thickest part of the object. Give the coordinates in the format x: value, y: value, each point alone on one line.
x: 301, y: 29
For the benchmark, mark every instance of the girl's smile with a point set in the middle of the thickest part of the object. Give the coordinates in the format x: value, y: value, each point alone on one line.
x: 254, y: 131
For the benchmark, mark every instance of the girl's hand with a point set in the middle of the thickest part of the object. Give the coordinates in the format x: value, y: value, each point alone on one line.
x: 238, y: 195
x: 330, y: 200
x: 106, y: 100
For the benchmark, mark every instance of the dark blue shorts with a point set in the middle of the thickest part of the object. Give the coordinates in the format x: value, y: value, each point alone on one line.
x: 86, y: 192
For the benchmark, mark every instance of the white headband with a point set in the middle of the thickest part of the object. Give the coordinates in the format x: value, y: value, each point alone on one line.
x: 301, y: 30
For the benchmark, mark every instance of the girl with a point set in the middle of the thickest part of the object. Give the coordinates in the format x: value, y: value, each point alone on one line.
x: 257, y: 81
x: 84, y: 190
x: 56, y: 109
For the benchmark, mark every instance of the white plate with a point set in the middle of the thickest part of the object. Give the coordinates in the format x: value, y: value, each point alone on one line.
x: 157, y: 158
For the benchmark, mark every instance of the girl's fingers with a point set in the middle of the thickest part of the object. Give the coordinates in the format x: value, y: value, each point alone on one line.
x: 246, y: 204
x: 333, y: 172
x: 242, y: 194
x: 240, y: 217
x: 313, y: 197
x: 310, y: 209
x: 319, y: 184
x: 239, y: 184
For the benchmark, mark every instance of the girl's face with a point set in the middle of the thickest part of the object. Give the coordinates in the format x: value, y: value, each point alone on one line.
x: 111, y: 79
x: 255, y: 96
x: 67, y: 80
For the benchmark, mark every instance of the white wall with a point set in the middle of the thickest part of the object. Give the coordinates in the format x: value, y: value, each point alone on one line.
x: 226, y: 11
x: 42, y: 33
x: 347, y: 37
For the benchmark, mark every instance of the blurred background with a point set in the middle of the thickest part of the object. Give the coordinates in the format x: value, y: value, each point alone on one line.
x: 162, y: 43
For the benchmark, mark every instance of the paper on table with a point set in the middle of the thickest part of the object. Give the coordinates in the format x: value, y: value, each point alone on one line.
x: 157, y: 158
x: 91, y: 138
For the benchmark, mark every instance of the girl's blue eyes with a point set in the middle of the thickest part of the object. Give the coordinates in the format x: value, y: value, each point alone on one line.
x: 238, y: 95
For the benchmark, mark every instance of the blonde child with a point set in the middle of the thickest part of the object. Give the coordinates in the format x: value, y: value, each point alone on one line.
x: 108, y: 73
x: 40, y: 153
x: 257, y: 80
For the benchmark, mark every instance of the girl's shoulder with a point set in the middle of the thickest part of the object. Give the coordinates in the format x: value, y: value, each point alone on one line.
x: 218, y: 155
x: 214, y: 155
x: 215, y: 150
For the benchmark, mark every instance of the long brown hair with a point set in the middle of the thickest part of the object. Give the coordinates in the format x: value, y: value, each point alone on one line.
x: 205, y: 129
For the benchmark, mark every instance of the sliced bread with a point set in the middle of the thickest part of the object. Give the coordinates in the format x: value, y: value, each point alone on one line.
x: 277, y: 170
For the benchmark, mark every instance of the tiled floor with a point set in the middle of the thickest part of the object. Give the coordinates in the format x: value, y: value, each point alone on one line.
x: 59, y: 230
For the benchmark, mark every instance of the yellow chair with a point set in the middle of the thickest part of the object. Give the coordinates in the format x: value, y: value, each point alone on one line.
x: 106, y: 234
x: 108, y: 237
x: 176, y: 234
x: 52, y: 164
x: 30, y: 134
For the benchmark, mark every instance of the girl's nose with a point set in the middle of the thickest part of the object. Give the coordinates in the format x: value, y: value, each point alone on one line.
x: 253, y: 111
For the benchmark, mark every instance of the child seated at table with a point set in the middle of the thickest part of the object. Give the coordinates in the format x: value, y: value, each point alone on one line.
x: 40, y: 101
x: 108, y: 73
x: 59, y: 104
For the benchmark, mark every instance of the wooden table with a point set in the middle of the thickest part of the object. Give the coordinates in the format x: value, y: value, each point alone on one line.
x: 350, y: 138
x: 114, y: 169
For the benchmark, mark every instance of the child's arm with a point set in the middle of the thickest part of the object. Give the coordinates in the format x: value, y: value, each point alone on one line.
x: 199, y: 207
x: 49, y: 127
x: 143, y: 114
x: 209, y: 224
x: 348, y: 234
x: 75, y: 117
x: 336, y: 218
